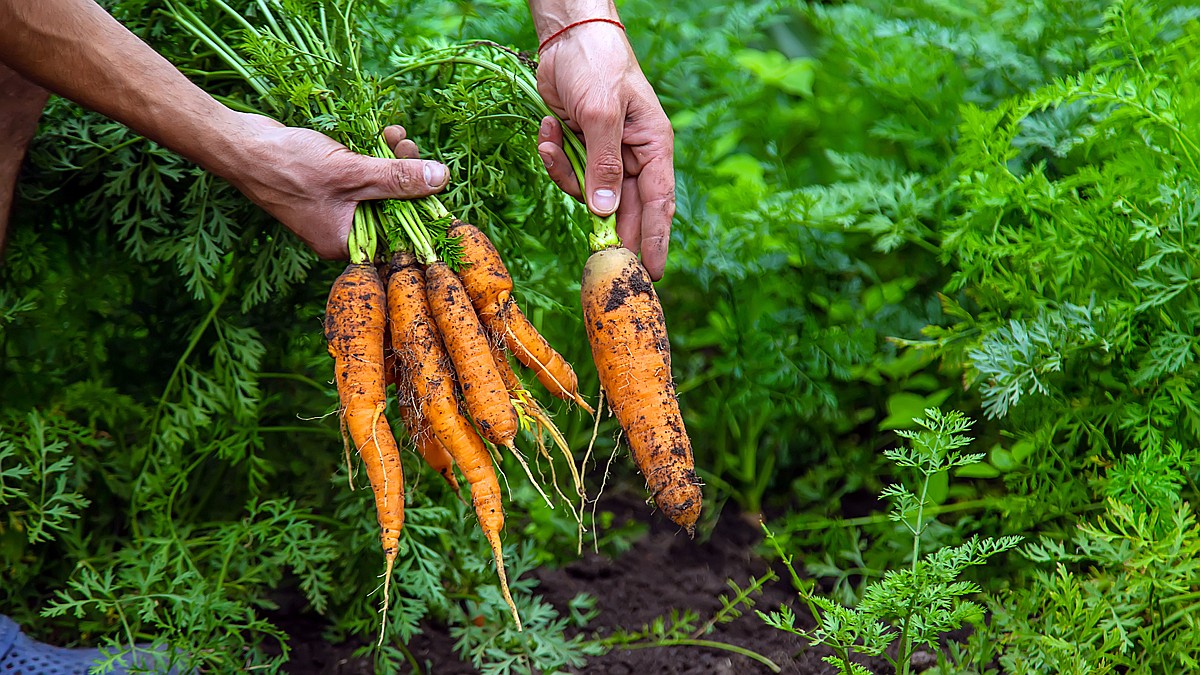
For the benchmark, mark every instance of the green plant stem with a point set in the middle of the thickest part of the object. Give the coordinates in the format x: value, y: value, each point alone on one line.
x: 902, y: 654
x: 185, y: 17
x: 410, y: 223
x: 712, y: 644
x: 362, y: 236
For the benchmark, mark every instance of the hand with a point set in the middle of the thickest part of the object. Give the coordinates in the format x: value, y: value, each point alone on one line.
x: 590, y: 78
x: 312, y: 184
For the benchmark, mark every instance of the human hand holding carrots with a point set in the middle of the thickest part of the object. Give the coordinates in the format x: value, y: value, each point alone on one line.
x: 589, y: 77
x: 312, y: 184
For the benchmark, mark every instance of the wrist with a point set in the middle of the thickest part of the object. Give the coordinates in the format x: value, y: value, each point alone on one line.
x: 227, y: 145
x: 552, y: 16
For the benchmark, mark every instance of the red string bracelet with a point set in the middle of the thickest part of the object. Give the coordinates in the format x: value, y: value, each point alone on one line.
x: 569, y: 26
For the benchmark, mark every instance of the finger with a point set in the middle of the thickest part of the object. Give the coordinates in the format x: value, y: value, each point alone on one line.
x: 558, y: 167
x: 393, y: 134
x: 402, y: 147
x: 406, y: 149
x: 395, y: 178
x: 656, y: 187
x: 629, y: 215
x: 603, y: 126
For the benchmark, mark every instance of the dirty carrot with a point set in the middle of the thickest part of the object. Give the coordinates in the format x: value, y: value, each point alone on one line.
x: 489, y: 285
x: 483, y: 390
x: 483, y: 272
x: 428, y: 445
x: 426, y: 369
x: 354, y: 325
x: 628, y: 335
x: 534, y: 352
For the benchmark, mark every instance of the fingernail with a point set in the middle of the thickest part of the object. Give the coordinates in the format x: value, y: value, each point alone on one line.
x: 435, y: 174
x: 547, y: 160
x: 604, y: 200
x: 545, y: 129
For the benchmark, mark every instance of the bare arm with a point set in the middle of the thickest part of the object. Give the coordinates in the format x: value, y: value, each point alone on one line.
x: 21, y: 103
x: 590, y: 77
x: 305, y: 179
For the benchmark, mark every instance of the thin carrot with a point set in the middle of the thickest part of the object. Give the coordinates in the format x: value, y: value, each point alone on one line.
x: 628, y: 335
x: 490, y: 286
x: 533, y: 351
x: 507, y: 376
x: 426, y: 369
x: 483, y: 390
x: 354, y: 327
x: 428, y: 445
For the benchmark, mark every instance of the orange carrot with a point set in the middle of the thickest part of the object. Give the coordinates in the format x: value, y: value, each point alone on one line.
x: 532, y: 350
x: 489, y: 286
x: 483, y: 391
x: 428, y: 445
x: 426, y: 370
x: 354, y: 327
x: 628, y: 335
x: 389, y: 362
x: 507, y: 376
x: 483, y: 273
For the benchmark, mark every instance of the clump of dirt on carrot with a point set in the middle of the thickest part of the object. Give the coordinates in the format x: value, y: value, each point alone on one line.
x: 355, y: 320
x: 628, y: 335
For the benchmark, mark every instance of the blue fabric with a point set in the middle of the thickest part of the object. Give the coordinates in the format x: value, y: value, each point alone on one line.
x: 20, y: 655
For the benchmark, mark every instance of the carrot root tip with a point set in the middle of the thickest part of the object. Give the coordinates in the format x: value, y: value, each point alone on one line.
x: 498, y: 554
x: 387, y: 585
x: 582, y: 403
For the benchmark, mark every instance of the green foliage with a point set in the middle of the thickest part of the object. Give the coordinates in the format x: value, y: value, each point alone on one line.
x: 908, y: 607
x: 168, y: 466
x: 1006, y: 190
x: 1119, y: 595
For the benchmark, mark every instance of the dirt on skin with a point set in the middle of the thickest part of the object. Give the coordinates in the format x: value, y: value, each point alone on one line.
x: 663, y: 571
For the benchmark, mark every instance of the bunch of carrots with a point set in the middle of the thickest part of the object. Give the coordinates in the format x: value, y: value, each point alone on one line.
x: 434, y: 314
x: 445, y: 354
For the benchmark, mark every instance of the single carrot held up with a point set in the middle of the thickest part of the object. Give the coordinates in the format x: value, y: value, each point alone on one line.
x: 354, y: 326
x: 628, y: 335
x: 426, y: 371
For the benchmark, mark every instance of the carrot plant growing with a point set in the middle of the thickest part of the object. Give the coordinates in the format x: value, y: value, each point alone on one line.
x: 913, y: 606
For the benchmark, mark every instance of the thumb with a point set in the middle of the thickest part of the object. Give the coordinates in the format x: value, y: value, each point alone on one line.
x: 602, y: 131
x: 379, y: 178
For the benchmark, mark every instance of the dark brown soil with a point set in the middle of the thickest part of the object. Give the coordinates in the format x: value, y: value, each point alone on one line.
x: 662, y: 572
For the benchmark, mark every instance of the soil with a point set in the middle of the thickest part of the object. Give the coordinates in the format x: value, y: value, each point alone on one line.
x: 663, y: 571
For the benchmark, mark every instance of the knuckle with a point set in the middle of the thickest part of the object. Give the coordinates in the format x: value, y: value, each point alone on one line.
x: 602, y: 112
x: 664, y: 203
x: 403, y: 177
x: 608, y: 169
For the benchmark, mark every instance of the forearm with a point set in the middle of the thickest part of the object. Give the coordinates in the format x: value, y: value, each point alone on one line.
x: 77, y: 50
x: 551, y: 16
x: 21, y: 103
